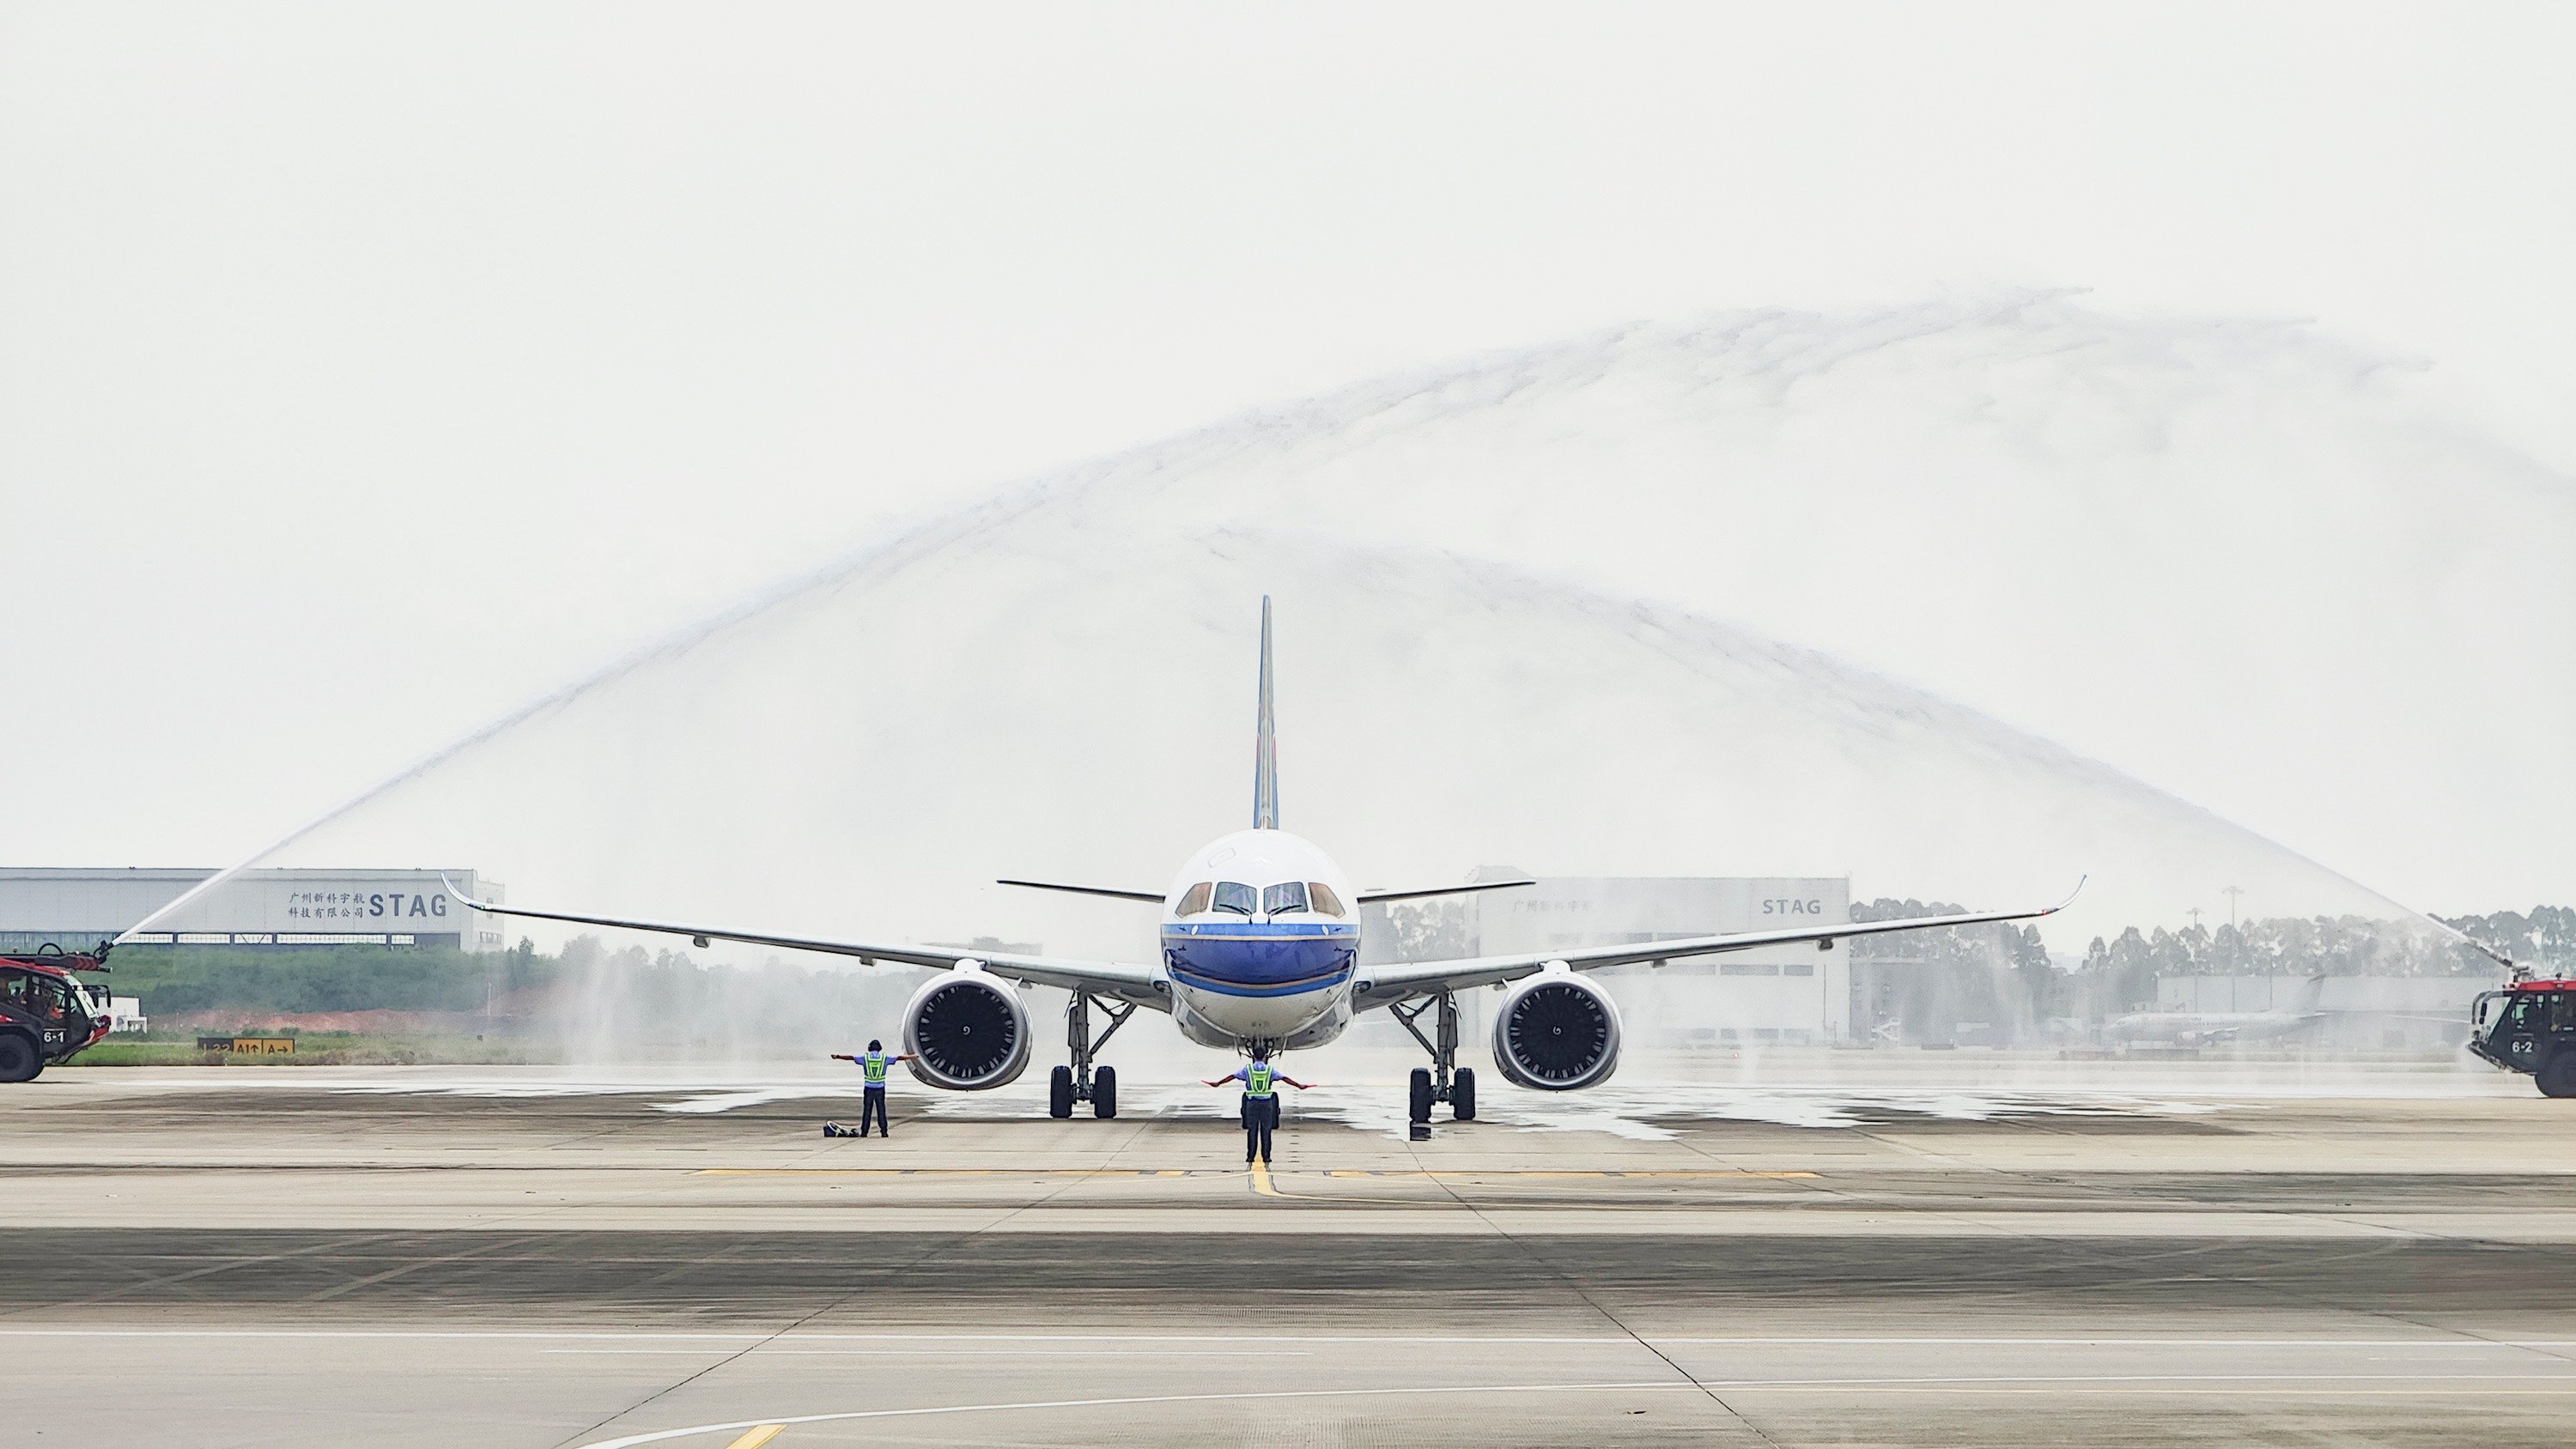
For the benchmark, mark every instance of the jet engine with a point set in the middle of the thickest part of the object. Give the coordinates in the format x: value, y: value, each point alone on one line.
x: 1556, y: 1032
x: 966, y: 1032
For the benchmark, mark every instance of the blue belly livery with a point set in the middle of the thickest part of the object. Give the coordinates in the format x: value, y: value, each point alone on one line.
x: 1244, y: 958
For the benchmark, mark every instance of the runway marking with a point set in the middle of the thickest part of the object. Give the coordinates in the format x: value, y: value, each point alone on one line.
x: 583, y: 1336
x: 961, y: 1172
x: 2016, y: 1384
x: 1157, y: 1354
x: 1262, y: 1186
x: 1593, y: 1173
x: 758, y: 1437
x: 2152, y: 1342
x: 660, y: 1436
x: 1425, y: 1172
x: 1266, y: 1187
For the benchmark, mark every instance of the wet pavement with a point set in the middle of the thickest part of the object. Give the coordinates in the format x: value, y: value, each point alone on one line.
x: 432, y: 1256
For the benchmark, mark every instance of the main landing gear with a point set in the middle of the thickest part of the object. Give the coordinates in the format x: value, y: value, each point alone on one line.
x: 1082, y: 1082
x: 1444, y: 1080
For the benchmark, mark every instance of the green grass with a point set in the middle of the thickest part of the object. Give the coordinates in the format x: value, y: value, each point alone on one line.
x: 176, y: 979
x: 319, y: 1049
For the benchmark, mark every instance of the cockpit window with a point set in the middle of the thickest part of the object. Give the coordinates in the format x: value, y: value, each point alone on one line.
x: 1237, y: 897
x: 53, y: 1000
x: 1320, y: 896
x: 1195, y: 899
x: 1288, y: 895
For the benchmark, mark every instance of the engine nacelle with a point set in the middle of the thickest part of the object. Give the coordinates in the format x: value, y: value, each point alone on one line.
x: 1556, y: 1032
x: 966, y: 1031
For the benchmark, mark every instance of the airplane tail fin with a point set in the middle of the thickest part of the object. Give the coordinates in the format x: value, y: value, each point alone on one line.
x: 1265, y: 756
x: 2311, y: 992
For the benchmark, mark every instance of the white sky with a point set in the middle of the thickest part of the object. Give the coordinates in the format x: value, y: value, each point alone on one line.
x: 364, y: 372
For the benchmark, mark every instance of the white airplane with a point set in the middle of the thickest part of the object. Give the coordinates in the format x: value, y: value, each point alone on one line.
x: 1260, y: 948
x: 2219, y: 1028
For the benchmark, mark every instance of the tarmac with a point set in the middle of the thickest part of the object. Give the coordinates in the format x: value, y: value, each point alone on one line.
x: 433, y: 1256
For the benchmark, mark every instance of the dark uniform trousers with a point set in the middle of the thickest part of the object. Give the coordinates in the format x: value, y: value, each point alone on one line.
x: 1260, y: 1115
x: 872, y: 1105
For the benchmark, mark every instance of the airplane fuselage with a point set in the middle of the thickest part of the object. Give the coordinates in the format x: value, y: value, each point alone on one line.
x: 1260, y: 937
x: 2199, y: 1028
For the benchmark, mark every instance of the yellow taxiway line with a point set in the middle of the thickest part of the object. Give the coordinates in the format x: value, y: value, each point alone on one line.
x: 758, y: 1437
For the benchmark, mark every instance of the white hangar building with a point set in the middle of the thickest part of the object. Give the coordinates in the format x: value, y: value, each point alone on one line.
x: 1783, y: 994
x: 73, y: 908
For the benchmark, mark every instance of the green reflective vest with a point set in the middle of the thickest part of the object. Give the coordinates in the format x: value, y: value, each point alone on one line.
x: 873, y: 1066
x: 1256, y: 1080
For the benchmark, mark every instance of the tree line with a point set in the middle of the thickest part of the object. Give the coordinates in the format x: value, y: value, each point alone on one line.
x: 2002, y: 974
x: 595, y: 999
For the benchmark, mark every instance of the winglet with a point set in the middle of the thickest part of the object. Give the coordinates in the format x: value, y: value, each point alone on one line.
x: 1265, y: 752
x: 460, y: 895
x: 2070, y: 895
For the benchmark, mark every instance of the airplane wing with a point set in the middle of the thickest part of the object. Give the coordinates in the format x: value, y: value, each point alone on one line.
x: 1371, y: 898
x: 1143, y: 985
x: 1366, y: 898
x: 1395, y: 981
x: 1152, y: 897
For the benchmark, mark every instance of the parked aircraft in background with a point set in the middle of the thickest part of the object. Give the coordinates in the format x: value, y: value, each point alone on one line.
x: 2220, y: 1028
x: 1259, y: 950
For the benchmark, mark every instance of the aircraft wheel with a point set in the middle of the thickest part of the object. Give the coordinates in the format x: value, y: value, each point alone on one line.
x: 1462, y: 1094
x: 1104, y: 1092
x: 2557, y: 1076
x: 19, y: 1059
x: 1060, y: 1092
x: 1421, y: 1094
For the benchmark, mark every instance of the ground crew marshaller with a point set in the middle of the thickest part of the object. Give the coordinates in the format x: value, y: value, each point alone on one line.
x: 1260, y: 1102
x: 872, y: 1068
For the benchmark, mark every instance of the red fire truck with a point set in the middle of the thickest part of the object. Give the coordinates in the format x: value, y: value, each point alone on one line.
x: 2530, y: 1027
x: 47, y: 1014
